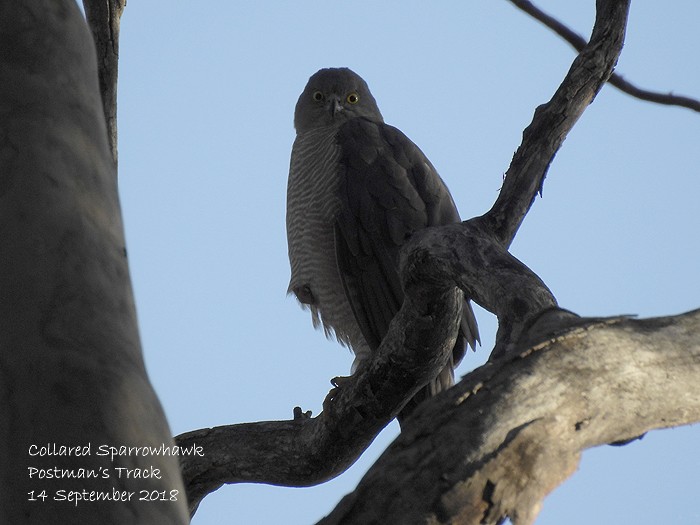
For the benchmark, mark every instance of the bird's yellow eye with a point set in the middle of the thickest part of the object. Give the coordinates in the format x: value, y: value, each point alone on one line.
x: 317, y: 96
x: 353, y: 98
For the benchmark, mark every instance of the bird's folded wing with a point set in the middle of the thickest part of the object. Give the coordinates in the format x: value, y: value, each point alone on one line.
x: 388, y: 190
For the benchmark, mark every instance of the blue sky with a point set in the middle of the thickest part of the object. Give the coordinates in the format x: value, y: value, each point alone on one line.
x: 207, y: 95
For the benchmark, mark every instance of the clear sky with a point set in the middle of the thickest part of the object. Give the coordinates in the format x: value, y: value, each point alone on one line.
x: 207, y: 94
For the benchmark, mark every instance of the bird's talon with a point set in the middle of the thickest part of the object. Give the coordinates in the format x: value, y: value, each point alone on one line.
x: 339, y: 381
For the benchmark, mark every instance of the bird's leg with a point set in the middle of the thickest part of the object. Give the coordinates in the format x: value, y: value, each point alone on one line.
x: 361, y: 358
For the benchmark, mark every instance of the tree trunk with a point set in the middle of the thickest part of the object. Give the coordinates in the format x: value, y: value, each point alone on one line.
x: 71, y: 369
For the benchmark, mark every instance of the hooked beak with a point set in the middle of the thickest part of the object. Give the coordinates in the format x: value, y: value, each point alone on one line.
x: 334, y: 106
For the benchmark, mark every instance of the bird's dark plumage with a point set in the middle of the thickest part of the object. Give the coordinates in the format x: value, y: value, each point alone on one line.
x: 358, y: 189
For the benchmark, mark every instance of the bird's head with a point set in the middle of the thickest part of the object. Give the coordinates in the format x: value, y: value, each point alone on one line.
x: 333, y: 96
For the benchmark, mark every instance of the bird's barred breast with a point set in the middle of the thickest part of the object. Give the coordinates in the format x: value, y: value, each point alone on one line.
x: 312, y: 206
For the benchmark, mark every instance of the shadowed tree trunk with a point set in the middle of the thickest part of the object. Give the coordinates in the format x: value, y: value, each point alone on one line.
x: 71, y: 369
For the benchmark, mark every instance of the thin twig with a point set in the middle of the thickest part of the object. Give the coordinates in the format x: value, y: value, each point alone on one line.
x: 578, y: 42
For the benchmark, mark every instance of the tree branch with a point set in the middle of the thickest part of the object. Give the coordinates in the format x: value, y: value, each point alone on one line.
x: 578, y: 43
x: 553, y: 121
x: 496, y: 444
x: 308, y: 451
x: 103, y: 17
x: 467, y: 255
x: 71, y: 368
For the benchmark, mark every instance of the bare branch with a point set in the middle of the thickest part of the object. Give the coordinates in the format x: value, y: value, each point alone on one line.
x: 103, y: 17
x: 578, y: 43
x: 466, y: 255
x: 496, y: 444
x: 309, y: 451
x: 553, y: 121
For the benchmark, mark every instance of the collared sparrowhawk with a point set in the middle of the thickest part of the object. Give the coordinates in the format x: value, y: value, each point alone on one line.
x: 357, y: 189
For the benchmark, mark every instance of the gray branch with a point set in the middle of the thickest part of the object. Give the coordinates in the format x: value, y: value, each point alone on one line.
x: 578, y: 43
x: 308, y: 451
x: 553, y: 121
x: 508, y: 434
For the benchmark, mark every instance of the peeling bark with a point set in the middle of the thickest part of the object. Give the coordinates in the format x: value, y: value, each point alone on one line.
x: 510, y: 432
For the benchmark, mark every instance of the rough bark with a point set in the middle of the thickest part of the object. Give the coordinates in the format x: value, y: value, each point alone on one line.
x: 71, y: 369
x: 496, y: 444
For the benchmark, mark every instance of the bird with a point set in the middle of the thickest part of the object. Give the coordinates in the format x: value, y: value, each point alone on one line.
x: 357, y: 190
